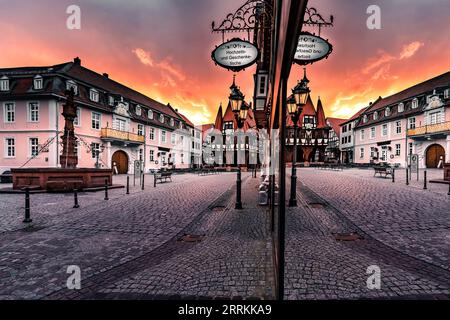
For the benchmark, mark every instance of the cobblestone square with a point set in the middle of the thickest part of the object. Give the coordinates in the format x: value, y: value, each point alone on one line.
x: 129, y: 248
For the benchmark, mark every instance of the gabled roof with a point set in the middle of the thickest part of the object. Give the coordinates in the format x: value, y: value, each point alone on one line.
x: 321, y: 123
x: 219, y: 120
x: 355, y: 116
x: 188, y: 122
x: 335, y: 124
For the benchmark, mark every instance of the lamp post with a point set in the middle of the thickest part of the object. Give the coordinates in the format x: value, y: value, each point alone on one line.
x: 240, y: 111
x: 294, y: 106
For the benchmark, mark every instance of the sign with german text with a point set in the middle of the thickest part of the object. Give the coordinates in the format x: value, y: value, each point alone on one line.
x: 311, y: 48
x: 235, y: 55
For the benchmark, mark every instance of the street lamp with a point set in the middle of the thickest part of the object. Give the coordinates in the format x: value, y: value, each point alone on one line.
x: 295, y: 105
x: 240, y: 111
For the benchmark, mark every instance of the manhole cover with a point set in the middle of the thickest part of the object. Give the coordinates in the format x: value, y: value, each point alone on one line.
x: 353, y: 236
x: 191, y: 238
x: 316, y: 205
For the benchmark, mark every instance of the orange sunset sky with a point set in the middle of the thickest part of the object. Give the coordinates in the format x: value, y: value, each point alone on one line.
x: 162, y: 48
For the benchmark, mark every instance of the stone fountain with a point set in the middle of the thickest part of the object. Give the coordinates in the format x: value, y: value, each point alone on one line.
x: 68, y: 177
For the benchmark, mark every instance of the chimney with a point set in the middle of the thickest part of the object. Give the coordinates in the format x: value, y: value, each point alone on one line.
x: 77, y: 61
x: 106, y: 75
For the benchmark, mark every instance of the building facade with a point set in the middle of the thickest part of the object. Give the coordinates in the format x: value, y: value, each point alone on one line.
x: 333, y: 152
x: 415, y: 121
x: 116, y: 127
x: 347, y: 136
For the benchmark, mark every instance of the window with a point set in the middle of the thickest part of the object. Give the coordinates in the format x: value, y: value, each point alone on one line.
x: 401, y: 107
x: 152, y: 155
x: 309, y: 122
x: 262, y: 85
x: 152, y: 133
x: 120, y: 124
x: 349, y: 126
x: 111, y: 100
x: 4, y: 84
x: 141, y: 155
x: 372, y: 152
x: 361, y: 153
x: 384, y: 131
x: 181, y: 139
x: 434, y: 118
x: 93, y: 95
x: 76, y: 148
x: 173, y: 138
x: 72, y: 85
x: 161, y: 118
x: 77, y: 120
x: 33, y: 112
x: 150, y: 114
x: 411, y: 123
x: 362, y: 134
x: 140, y: 130
x: 415, y: 103
x: 163, y: 136
x: 95, y: 149
x: 372, y: 133
x: 9, y: 113
x: 365, y: 119
x: 410, y: 147
x: 398, y: 149
x: 138, y: 110
x: 38, y: 83
x: 375, y: 115
x: 446, y: 93
x: 398, y: 127
x: 10, y: 148
x: 96, y: 119
x: 387, y: 112
x: 34, y: 147
x: 172, y: 123
x: 163, y: 158
x: 344, y: 129
x: 349, y: 139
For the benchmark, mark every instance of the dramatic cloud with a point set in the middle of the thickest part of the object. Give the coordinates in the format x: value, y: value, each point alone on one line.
x: 410, y: 50
x: 144, y: 56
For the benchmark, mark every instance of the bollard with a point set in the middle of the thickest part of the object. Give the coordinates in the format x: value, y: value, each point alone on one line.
x: 75, y: 197
x: 393, y: 175
x: 143, y: 181
x: 425, y: 180
x: 27, y: 206
x: 154, y: 180
x: 128, y: 184
x: 106, y: 190
x: 407, y: 177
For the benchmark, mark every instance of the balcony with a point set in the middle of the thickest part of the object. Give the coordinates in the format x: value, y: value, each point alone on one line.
x: 112, y: 134
x: 430, y: 129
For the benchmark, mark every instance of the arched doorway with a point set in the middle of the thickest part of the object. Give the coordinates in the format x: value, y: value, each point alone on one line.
x: 434, y: 154
x: 121, y: 160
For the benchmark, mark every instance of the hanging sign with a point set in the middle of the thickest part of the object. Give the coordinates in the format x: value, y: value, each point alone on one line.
x: 311, y: 49
x: 235, y: 55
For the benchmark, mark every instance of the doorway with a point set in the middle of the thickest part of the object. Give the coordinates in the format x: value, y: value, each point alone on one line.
x: 434, y: 154
x: 121, y: 160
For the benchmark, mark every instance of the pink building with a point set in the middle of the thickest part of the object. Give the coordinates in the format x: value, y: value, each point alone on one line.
x: 116, y: 126
x: 415, y: 121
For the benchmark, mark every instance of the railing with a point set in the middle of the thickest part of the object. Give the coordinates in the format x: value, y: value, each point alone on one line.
x: 108, y: 133
x: 432, y: 128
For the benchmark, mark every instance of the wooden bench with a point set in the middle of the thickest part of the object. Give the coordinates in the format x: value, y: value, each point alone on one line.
x: 386, y: 171
x: 163, y: 176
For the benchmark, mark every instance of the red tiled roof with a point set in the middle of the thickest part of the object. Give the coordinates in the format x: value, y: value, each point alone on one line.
x: 188, y: 122
x: 219, y: 120
x: 335, y: 124
x: 355, y: 116
x: 321, y: 123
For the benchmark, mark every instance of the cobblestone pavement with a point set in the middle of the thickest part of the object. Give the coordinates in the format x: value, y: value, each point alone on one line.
x: 405, y: 232
x: 130, y: 234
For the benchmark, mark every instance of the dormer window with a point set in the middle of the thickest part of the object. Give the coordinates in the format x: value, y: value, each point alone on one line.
x: 111, y: 100
x: 161, y: 118
x: 375, y: 115
x: 150, y: 114
x: 93, y: 95
x: 446, y: 93
x: 72, y: 85
x: 365, y: 119
x: 138, y: 110
x: 415, y: 103
x: 172, y: 122
x: 4, y: 83
x: 401, y: 107
x: 387, y: 112
x: 38, y: 83
x: 181, y: 125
